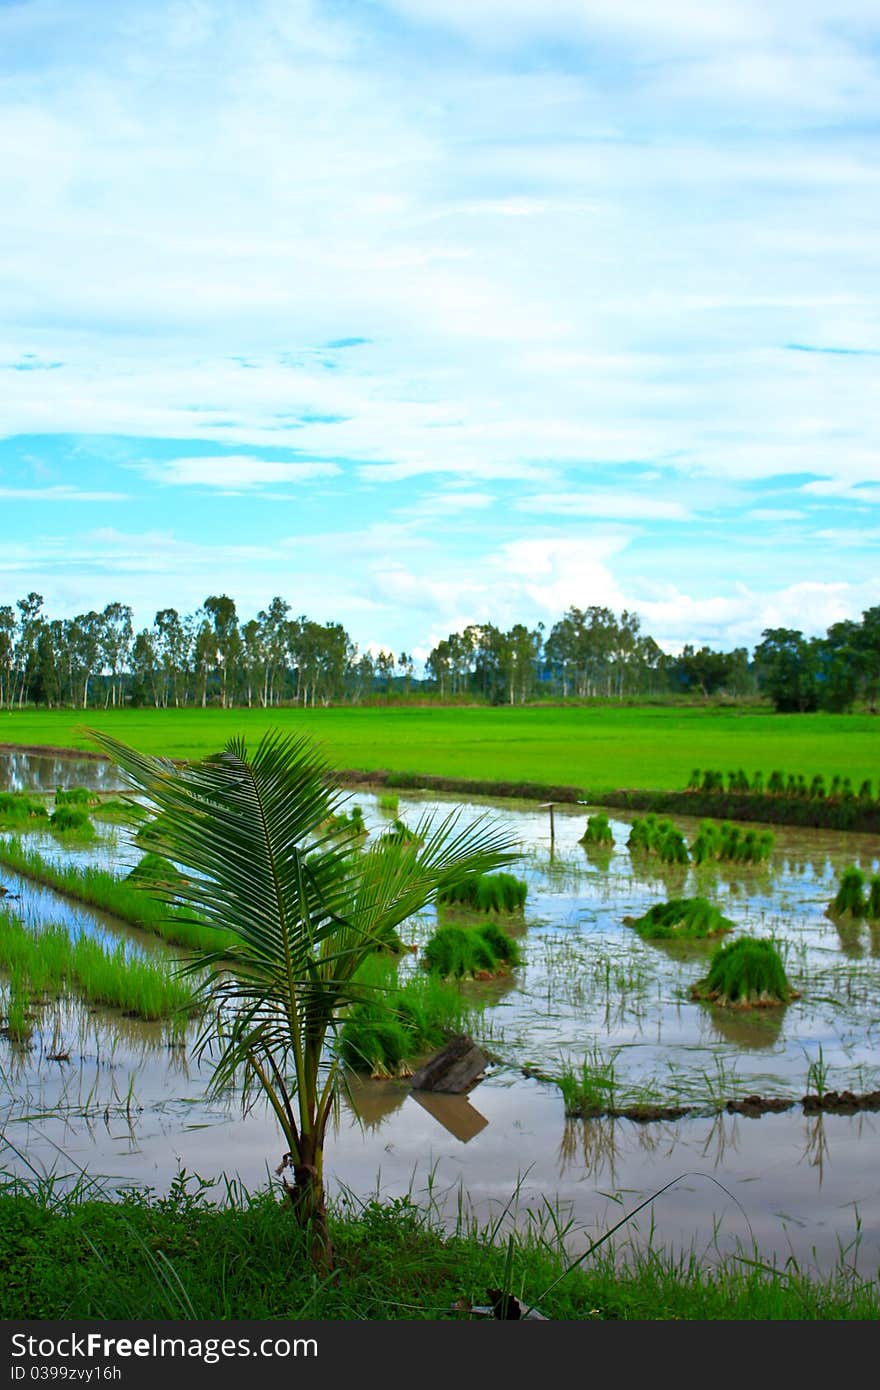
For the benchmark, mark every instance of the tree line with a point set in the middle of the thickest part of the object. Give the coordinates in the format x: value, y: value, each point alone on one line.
x: 211, y: 656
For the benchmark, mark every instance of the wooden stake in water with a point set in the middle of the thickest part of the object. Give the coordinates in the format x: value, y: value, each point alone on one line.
x: 548, y: 806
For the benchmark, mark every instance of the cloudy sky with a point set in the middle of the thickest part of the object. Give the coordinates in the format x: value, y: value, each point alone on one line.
x: 422, y: 312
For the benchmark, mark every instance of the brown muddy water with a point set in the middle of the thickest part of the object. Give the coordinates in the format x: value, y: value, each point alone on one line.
x: 127, y: 1107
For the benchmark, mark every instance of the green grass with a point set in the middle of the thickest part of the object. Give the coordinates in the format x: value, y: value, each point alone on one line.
x: 184, y: 1257
x: 591, y: 749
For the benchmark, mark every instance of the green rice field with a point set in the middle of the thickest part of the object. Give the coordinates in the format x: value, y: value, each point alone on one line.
x: 595, y: 750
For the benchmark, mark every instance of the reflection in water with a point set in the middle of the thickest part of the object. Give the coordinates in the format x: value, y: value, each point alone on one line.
x: 44, y: 772
x: 816, y: 1150
x: 455, y: 1113
x: 372, y: 1100
x: 757, y: 1030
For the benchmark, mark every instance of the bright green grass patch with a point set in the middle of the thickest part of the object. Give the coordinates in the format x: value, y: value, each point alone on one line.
x: 98, y: 888
x: 746, y: 973
x: 688, y: 919
x: 72, y: 1258
x: 592, y: 749
x: 500, y: 893
x: 50, y: 961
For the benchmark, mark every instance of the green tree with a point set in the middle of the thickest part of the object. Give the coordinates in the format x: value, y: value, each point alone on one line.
x: 305, y: 911
x: 787, y: 669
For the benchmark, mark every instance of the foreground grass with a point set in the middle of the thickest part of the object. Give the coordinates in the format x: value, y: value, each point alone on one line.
x: 593, y: 749
x: 183, y: 1258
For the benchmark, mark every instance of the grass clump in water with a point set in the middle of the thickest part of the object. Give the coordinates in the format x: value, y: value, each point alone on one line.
x: 724, y: 841
x: 19, y: 811
x: 746, y: 973
x: 49, y: 961
x: 470, y: 952
x: 850, y: 898
x: 690, y: 919
x: 391, y: 1025
x: 130, y: 901
x: 591, y: 1089
x: 489, y: 893
x: 658, y: 836
x: 388, y: 803
x: 347, y: 822
x: 72, y: 820
x: 598, y: 831
x: 74, y: 796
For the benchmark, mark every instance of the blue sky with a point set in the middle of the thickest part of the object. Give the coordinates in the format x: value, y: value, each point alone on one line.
x: 425, y: 312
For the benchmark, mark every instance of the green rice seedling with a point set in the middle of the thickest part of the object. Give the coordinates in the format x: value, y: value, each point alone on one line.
x: 390, y: 1025
x: 470, y: 952
x: 746, y: 973
x: 19, y: 1024
x: 500, y: 893
x: 591, y: 1089
x: 399, y: 832
x: 598, y: 831
x: 866, y: 791
x: 835, y: 789
x: 694, y: 781
x: 846, y: 790
x: 347, y: 822
x: 817, y: 788
x: 671, y: 848
x: 850, y: 897
x: 758, y: 784
x: 872, y: 907
x: 116, y: 811
x: 713, y: 782
x: 707, y: 842
x: 775, y: 784
x: 131, y: 902
x: 388, y: 803
x: 74, y: 796
x: 18, y: 810
x: 154, y: 870
x: 691, y: 919
x: 72, y: 820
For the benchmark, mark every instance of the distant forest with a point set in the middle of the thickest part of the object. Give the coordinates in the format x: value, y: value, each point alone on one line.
x: 210, y: 657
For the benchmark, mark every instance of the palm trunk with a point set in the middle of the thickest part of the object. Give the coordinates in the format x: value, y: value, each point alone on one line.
x: 308, y: 1199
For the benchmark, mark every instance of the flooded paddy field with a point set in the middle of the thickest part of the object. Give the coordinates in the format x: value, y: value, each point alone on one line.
x: 125, y: 1102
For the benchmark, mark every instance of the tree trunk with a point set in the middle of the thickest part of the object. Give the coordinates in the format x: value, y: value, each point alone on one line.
x: 308, y: 1199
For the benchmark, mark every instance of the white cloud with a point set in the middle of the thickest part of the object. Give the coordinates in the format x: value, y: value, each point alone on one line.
x: 237, y: 472
x: 621, y: 505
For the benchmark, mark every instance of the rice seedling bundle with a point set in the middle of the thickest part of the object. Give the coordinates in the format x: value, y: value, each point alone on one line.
x: 487, y: 893
x: 16, y: 808
x: 459, y: 952
x: 598, y: 831
x: 746, y: 973
x: 872, y: 908
x: 393, y: 1024
x: 72, y: 820
x: 850, y: 896
x: 681, y: 918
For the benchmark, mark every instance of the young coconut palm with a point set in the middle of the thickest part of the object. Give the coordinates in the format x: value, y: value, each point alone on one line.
x: 306, y: 909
